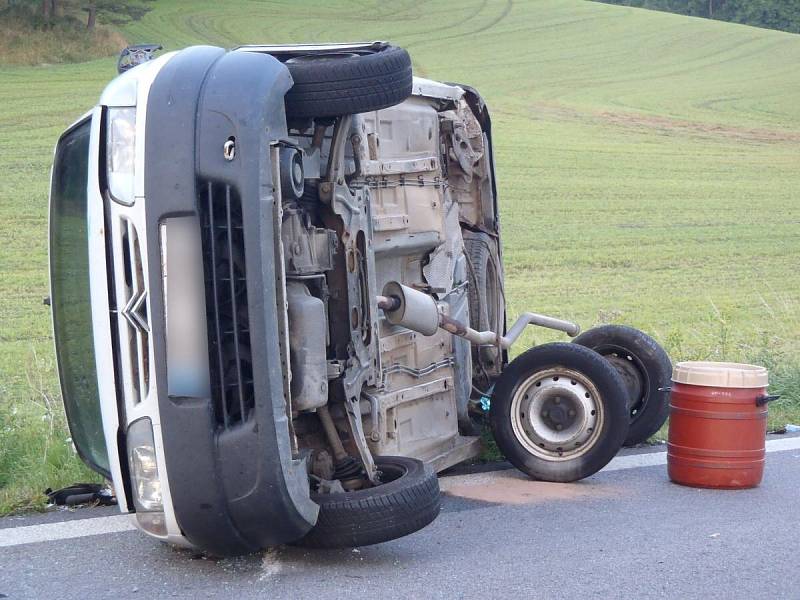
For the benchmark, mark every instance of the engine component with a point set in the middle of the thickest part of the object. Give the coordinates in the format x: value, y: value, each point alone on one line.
x: 339, y: 453
x: 322, y: 464
x: 292, y: 178
x: 308, y: 249
x: 307, y: 334
x: 347, y: 469
x: 351, y: 207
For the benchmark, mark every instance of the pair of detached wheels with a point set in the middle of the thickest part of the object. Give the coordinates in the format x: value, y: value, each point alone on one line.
x: 560, y: 412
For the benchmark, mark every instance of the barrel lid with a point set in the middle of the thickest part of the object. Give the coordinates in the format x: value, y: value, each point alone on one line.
x: 720, y: 374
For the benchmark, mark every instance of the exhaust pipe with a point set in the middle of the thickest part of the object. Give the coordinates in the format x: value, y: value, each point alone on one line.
x: 415, y: 310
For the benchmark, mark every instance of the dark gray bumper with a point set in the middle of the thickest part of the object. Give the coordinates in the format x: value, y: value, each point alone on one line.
x: 234, y: 489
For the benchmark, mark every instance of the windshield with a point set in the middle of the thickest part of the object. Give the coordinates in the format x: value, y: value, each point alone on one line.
x: 69, y: 289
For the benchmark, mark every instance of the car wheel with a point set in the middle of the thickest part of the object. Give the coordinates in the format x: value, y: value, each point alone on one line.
x: 345, y: 83
x: 645, y: 369
x: 486, y: 304
x: 406, y: 501
x: 558, y: 412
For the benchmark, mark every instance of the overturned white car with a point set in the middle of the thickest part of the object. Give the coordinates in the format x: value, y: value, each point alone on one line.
x: 278, y: 305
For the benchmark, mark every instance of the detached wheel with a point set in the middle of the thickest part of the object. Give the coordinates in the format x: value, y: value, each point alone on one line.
x: 345, y: 83
x: 645, y: 369
x: 558, y: 412
x: 406, y: 501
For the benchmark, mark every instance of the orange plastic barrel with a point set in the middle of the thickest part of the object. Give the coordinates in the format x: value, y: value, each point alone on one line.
x: 717, y: 424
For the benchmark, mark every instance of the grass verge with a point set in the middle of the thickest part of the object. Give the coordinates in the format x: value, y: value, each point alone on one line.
x: 647, y: 170
x: 35, y: 449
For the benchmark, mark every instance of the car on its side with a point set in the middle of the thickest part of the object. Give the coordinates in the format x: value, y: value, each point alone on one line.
x: 278, y: 303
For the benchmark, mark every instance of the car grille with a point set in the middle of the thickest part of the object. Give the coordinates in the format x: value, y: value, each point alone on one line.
x: 131, y: 295
x: 230, y: 359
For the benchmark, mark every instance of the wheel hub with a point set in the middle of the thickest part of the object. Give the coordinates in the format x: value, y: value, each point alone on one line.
x: 556, y: 413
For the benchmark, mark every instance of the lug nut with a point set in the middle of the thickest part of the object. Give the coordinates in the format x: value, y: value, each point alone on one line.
x: 557, y: 400
x: 571, y: 412
x: 559, y: 427
x: 546, y: 413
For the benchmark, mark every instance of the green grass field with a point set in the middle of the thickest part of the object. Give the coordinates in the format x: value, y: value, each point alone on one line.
x: 648, y: 166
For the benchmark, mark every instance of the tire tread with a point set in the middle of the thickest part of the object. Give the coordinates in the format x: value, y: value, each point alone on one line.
x: 352, y: 85
x: 395, y: 509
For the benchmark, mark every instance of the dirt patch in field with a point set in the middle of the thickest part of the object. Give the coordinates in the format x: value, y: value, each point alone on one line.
x: 512, y: 487
x: 669, y: 125
x: 664, y: 125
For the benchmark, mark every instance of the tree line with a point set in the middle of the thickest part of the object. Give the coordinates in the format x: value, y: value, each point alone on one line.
x: 772, y: 14
x: 48, y: 13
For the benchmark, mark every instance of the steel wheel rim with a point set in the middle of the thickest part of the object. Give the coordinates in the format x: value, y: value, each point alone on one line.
x: 638, y: 404
x: 534, y: 423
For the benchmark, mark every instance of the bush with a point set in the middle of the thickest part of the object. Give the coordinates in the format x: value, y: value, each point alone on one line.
x: 26, y: 38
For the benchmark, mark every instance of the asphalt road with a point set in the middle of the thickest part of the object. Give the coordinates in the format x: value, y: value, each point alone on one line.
x: 623, y: 533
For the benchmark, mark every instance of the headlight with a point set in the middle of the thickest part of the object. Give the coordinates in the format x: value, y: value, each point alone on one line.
x: 143, y: 466
x: 145, y: 481
x: 120, y: 153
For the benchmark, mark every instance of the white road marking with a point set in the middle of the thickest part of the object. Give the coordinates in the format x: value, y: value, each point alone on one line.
x: 633, y: 461
x: 787, y: 443
x: 65, y: 530
x: 652, y: 459
x: 619, y: 463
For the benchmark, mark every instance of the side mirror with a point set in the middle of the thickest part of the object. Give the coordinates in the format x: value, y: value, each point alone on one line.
x: 136, y: 55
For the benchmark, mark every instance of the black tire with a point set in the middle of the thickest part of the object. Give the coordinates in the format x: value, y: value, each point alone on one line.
x: 486, y: 307
x: 334, y: 84
x: 577, y: 365
x: 646, y: 371
x: 403, y: 505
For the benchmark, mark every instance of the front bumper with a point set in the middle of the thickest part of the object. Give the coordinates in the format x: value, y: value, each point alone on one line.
x: 225, y: 457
